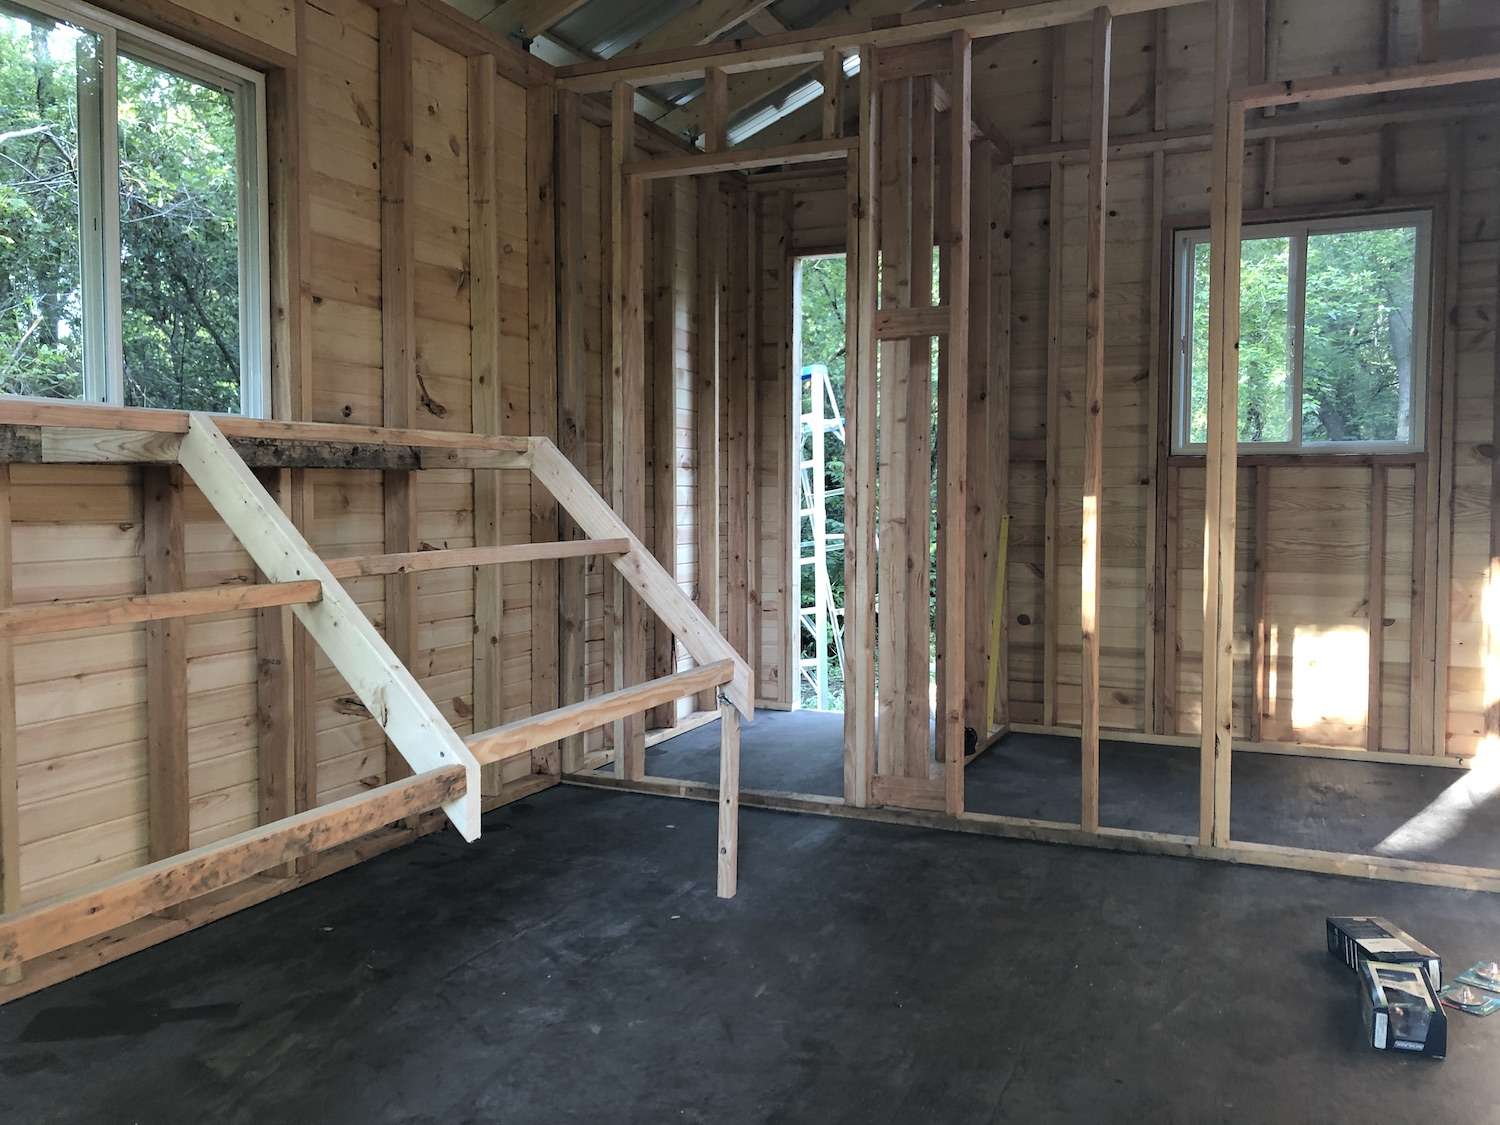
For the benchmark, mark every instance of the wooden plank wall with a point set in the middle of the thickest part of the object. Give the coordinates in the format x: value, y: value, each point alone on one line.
x: 1315, y: 527
x: 80, y: 701
x: 1315, y: 522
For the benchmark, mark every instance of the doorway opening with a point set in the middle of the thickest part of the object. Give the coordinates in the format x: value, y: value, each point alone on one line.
x: 818, y: 353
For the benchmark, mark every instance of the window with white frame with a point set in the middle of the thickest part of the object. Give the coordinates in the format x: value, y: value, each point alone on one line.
x: 133, y: 241
x: 1333, y: 334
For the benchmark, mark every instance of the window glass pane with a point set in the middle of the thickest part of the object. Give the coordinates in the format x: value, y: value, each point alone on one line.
x: 1265, y: 402
x: 44, y: 68
x: 1357, y: 359
x: 179, y: 240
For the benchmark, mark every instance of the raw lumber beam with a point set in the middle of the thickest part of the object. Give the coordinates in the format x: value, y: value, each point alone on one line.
x: 398, y: 321
x: 1417, y: 76
x: 740, y: 159
x: 92, y: 416
x: 664, y: 305
x: 354, y: 647
x: 641, y: 571
x: 486, y: 398
x: 904, y: 323
x: 572, y: 595
x: 10, y: 833
x: 1223, y: 407
x: 921, y: 635
x: 832, y: 101
x: 411, y: 562
x: 1093, y: 417
x: 542, y: 396
x: 92, y: 613
x: 702, y: 22
x: 627, y: 413
x: 859, y: 500
x: 164, y: 558
x: 953, y: 515
x: 978, y: 19
x: 1375, y: 606
x: 706, y: 416
x: 986, y: 428
x: 146, y: 890
x: 729, y: 800
x: 530, y: 18
x: 511, y: 740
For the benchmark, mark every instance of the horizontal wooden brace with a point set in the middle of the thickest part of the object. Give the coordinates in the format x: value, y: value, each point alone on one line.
x: 500, y: 744
x: 413, y: 562
x: 899, y: 324
x: 144, y: 891
x: 1417, y: 76
x: 92, y: 613
x: 741, y: 159
x: 63, y: 415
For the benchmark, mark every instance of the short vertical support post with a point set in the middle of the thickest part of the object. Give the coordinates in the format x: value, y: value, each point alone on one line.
x: 729, y: 798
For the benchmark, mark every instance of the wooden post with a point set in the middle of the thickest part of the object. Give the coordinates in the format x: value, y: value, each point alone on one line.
x: 895, y: 270
x: 275, y: 710
x: 861, y: 281
x: 572, y: 600
x: 1093, y: 417
x: 833, y: 92
x: 165, y: 557
x: 1001, y: 251
x: 627, y: 414
x: 1223, y: 408
x: 917, y: 631
x: 734, y: 363
x: 1052, y: 495
x: 1259, y: 640
x: 663, y: 405
x: 486, y: 397
x: 729, y: 799
x: 706, y: 408
x: 10, y: 835
x: 1159, y: 418
x: 987, y: 428
x: 1375, y: 604
x: 543, y: 403
x: 398, y: 323
x: 955, y: 402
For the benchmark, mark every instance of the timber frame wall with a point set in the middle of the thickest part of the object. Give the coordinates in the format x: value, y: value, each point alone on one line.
x: 465, y: 240
x: 1104, y: 121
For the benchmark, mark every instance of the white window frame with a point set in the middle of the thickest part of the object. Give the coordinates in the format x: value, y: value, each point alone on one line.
x: 1184, y: 247
x: 99, y: 193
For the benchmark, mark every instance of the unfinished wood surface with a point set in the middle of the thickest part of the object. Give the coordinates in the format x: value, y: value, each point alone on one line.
x: 168, y: 882
x: 414, y: 562
x: 985, y: 425
x: 861, y: 295
x: 164, y: 554
x: 729, y: 801
x: 642, y: 572
x: 664, y: 301
x: 94, y: 613
x: 382, y: 684
x: 953, y: 423
x: 1223, y: 401
x: 1417, y: 76
x: 831, y: 102
x: 1093, y: 411
x: 10, y: 834
x: 513, y: 739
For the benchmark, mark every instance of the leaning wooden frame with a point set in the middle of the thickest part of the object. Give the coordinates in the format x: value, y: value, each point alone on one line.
x: 868, y: 324
x: 213, y: 453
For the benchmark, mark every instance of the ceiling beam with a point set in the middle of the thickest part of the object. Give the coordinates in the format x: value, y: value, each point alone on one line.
x: 977, y: 18
x: 704, y: 22
x: 750, y: 89
x: 530, y: 18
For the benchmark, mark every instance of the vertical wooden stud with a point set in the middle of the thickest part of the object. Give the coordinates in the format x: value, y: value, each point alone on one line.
x: 859, y: 420
x: 833, y: 93
x: 164, y: 554
x: 955, y: 403
x: 1259, y: 639
x: 987, y: 427
x: 543, y: 401
x: 1375, y: 605
x: 729, y: 799
x: 10, y: 833
x: 398, y: 323
x: 1223, y: 406
x: 572, y: 599
x: 706, y: 408
x: 663, y: 430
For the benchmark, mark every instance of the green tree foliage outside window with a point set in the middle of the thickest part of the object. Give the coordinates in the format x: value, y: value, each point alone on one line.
x: 179, y: 245
x: 1358, y: 338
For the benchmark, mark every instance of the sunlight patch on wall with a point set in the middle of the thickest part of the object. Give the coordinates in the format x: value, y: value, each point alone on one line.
x: 1330, y: 678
